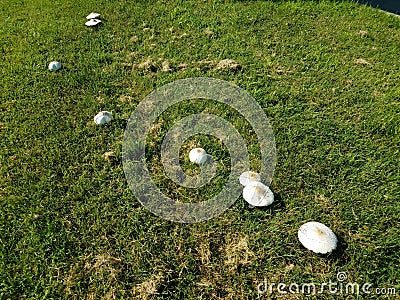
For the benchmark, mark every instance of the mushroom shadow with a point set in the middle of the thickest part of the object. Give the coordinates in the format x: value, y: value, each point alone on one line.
x: 278, y: 204
x: 120, y: 123
x: 98, y: 26
x: 339, y: 254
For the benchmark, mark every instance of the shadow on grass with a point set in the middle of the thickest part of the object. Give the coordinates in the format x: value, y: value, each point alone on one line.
x: 277, y: 205
x: 339, y: 255
x: 392, y: 6
x: 120, y: 123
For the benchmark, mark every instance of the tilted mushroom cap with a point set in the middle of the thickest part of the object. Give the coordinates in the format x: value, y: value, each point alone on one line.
x: 54, y: 66
x: 92, y: 22
x: 258, y: 194
x: 198, y: 155
x: 317, y: 237
x: 103, y: 117
x: 93, y: 16
x: 247, y: 177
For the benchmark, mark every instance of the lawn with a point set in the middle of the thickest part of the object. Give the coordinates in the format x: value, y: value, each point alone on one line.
x: 327, y: 76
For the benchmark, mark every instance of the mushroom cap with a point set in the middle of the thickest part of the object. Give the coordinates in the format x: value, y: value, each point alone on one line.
x: 248, y: 177
x: 93, y: 16
x: 54, y: 66
x: 317, y: 237
x: 93, y: 22
x: 103, y: 117
x: 258, y: 194
x: 198, y: 155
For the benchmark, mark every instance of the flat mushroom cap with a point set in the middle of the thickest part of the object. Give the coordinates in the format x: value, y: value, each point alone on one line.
x: 248, y: 177
x: 258, y: 194
x: 198, y: 155
x: 93, y: 16
x: 92, y: 22
x: 103, y: 117
x: 317, y: 237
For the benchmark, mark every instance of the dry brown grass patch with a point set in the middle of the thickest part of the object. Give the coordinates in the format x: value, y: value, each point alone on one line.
x: 99, y: 271
x: 147, y: 289
x: 148, y: 65
x: 228, y: 65
x: 165, y: 66
x: 204, y: 251
x: 363, y: 33
x: 209, y: 32
x: 362, y: 61
x: 237, y: 252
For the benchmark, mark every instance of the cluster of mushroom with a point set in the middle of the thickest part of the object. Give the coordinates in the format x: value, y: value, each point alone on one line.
x: 255, y: 192
x: 314, y: 236
x: 103, y: 117
x: 94, y: 19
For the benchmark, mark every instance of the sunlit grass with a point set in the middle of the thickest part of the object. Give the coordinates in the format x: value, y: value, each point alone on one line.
x: 325, y: 73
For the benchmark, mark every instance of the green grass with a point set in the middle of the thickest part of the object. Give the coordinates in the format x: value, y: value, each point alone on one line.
x: 70, y: 227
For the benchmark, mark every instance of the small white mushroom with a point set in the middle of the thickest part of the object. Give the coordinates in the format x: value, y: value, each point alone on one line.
x: 317, y: 237
x: 103, y: 117
x: 93, y: 16
x: 93, y: 22
x: 54, y: 66
x: 247, y: 177
x: 258, y: 194
x: 198, y: 155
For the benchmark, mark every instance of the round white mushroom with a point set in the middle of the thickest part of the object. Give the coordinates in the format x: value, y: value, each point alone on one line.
x: 317, y: 237
x: 258, y: 194
x: 103, y: 117
x: 93, y: 22
x: 198, y: 155
x: 248, y: 177
x: 54, y: 66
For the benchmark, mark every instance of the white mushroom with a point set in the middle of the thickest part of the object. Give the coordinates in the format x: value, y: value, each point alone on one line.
x: 103, y: 117
x: 258, y: 194
x: 92, y: 22
x: 247, y: 177
x: 317, y: 237
x: 93, y: 16
x: 198, y: 155
x: 54, y: 66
